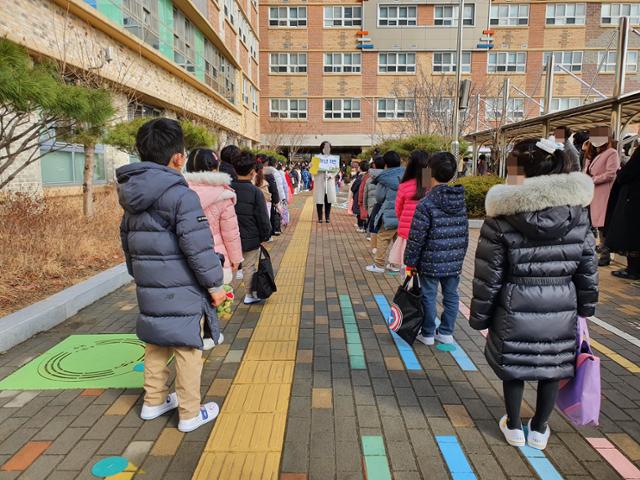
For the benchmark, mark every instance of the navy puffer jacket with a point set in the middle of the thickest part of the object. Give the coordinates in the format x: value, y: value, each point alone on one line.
x: 168, y: 247
x: 439, y: 233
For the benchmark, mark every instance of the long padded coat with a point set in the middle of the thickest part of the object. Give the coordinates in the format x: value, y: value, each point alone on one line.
x: 535, y: 272
x: 168, y: 247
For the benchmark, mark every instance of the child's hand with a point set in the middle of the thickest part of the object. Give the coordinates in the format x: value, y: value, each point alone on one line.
x: 411, y: 271
x: 218, y: 298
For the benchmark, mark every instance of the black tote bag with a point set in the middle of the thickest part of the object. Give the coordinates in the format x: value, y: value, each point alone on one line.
x: 264, y: 280
x: 407, y: 311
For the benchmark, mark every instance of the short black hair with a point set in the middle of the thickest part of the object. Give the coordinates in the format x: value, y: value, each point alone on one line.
x: 202, y: 160
x: 229, y: 153
x: 158, y: 140
x: 244, y: 163
x: 378, y: 161
x: 322, y: 144
x: 364, y: 165
x: 535, y: 161
x: 443, y: 166
x: 392, y: 159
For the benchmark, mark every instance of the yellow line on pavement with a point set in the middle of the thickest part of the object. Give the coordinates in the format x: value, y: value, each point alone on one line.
x: 247, y: 439
x: 616, y: 357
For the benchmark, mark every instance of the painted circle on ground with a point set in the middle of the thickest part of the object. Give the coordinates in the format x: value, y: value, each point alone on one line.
x: 94, y: 360
x: 109, y: 466
x: 446, y: 347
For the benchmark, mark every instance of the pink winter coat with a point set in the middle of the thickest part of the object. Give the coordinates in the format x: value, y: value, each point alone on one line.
x: 602, y: 170
x: 218, y: 202
x: 406, y: 207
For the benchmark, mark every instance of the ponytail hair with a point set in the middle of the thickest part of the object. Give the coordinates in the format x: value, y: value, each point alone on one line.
x: 202, y: 160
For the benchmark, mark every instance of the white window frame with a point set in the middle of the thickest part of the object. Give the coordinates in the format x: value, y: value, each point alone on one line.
x: 343, y: 16
x: 511, y: 15
x: 609, y: 65
x: 398, y: 15
x: 392, y: 61
x: 446, y: 15
x: 565, y: 13
x: 564, y: 103
x: 493, y: 109
x: 245, y: 90
x: 254, y: 99
x: 342, y: 109
x: 507, y: 62
x: 285, y: 19
x: 448, y: 62
x: 288, y: 62
x: 610, y: 13
x: 342, y: 62
x: 284, y: 108
x: 571, y: 60
x: 184, y: 53
x: 395, y: 108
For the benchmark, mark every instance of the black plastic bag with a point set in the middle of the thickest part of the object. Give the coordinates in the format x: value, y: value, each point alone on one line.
x: 407, y: 311
x: 264, y: 281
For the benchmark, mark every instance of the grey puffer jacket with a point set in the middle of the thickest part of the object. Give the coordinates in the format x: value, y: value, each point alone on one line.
x: 387, y: 190
x: 370, y: 189
x: 535, y: 272
x: 168, y: 247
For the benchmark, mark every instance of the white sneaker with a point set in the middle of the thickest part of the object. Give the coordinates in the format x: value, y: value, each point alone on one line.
x: 368, y: 238
x: 249, y: 299
x: 373, y: 268
x: 208, y: 343
x: 208, y: 413
x: 374, y: 251
x: 149, y: 412
x: 428, y: 341
x: 536, y: 439
x: 448, y: 339
x: 392, y: 268
x: 239, y: 275
x: 513, y: 437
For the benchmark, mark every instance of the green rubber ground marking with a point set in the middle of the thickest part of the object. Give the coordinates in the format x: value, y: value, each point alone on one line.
x: 83, y: 361
x: 375, y: 458
x: 354, y: 343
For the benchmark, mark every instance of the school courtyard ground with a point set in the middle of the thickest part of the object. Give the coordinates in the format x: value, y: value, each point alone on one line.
x: 311, y: 385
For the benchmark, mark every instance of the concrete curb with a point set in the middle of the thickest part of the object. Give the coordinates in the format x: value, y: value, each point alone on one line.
x: 23, y: 324
x: 475, y: 223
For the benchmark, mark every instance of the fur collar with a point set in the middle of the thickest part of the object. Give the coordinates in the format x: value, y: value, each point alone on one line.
x: 538, y: 193
x: 208, y: 178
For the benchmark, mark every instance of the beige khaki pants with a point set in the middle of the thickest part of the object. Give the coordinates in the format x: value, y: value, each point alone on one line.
x: 249, y: 269
x: 385, y: 238
x: 374, y: 241
x: 188, y: 370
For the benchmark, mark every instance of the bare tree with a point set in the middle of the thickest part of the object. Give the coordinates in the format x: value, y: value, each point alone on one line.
x: 285, y: 135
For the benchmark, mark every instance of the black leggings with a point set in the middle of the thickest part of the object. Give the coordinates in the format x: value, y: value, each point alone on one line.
x: 546, y: 400
x: 327, y: 206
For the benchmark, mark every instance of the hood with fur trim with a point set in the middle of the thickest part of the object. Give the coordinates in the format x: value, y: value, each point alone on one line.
x: 542, y: 207
x: 211, y: 187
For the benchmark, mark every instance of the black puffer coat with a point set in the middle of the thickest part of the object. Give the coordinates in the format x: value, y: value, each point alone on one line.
x: 535, y: 272
x: 621, y: 224
x: 251, y: 209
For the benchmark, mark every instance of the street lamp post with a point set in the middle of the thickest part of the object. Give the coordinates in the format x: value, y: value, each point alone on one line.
x: 455, y: 144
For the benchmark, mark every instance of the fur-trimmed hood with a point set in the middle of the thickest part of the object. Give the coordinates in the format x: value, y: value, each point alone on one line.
x: 268, y: 170
x: 542, y: 207
x: 211, y: 187
x: 538, y: 193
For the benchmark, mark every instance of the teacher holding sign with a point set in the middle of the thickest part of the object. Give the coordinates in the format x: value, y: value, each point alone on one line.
x: 324, y: 184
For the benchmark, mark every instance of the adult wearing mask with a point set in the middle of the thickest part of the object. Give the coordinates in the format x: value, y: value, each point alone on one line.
x: 602, y: 169
x: 622, y: 230
x: 324, y: 188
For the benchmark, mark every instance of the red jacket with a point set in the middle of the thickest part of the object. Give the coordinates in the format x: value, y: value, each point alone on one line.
x: 363, y: 211
x: 406, y: 207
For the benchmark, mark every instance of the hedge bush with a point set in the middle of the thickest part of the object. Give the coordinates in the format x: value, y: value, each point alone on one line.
x: 271, y: 153
x: 475, y: 191
x: 404, y: 146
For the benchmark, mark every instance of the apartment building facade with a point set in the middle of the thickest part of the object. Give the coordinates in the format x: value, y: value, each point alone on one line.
x: 356, y: 72
x: 193, y: 59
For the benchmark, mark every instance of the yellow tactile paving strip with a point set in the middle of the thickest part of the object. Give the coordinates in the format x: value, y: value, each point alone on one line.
x: 247, y: 440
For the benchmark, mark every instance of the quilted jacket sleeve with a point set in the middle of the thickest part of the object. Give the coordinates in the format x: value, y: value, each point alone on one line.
x: 400, y: 199
x: 418, y: 235
x: 196, y: 242
x: 124, y: 234
x: 230, y: 232
x: 489, y: 274
x: 261, y: 217
x: 586, y: 278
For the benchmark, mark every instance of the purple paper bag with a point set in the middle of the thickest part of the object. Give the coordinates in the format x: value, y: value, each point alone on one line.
x: 579, y: 397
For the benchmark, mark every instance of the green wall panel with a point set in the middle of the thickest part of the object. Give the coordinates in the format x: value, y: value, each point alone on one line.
x: 198, y: 48
x: 165, y: 12
x: 112, y: 9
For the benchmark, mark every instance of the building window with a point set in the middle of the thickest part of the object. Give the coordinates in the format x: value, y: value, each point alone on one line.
x: 183, y: 41
x: 447, y: 15
x: 611, y: 13
x: 565, y: 13
x: 286, y: 62
x: 440, y: 106
x: 396, y: 62
x: 571, y: 61
x: 342, y: 63
x: 500, y: 62
x: 138, y: 110
x: 254, y: 99
x: 343, y: 16
x: 509, y: 14
x: 219, y: 74
x: 609, y: 59
x: 396, y: 107
x: 66, y: 166
x: 245, y: 91
x: 345, y: 108
x: 445, y: 62
x: 558, y: 104
x: 515, y: 109
x: 231, y: 11
x: 393, y: 16
x: 288, y: 108
x: 287, y: 16
x: 140, y: 17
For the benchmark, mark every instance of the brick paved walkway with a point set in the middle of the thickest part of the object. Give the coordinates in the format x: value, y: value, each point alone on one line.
x: 358, y: 404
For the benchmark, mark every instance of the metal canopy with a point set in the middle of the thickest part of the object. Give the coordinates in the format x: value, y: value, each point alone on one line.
x: 578, y: 118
